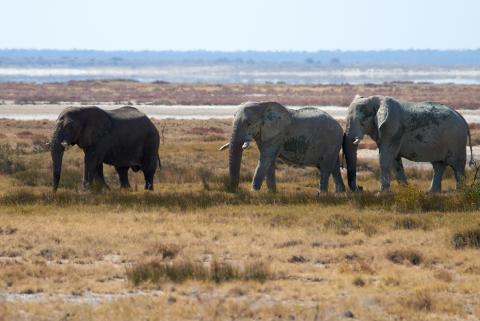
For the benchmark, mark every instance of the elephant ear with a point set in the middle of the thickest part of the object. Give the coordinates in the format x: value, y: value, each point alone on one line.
x: 388, y: 116
x: 96, y: 123
x: 276, y: 121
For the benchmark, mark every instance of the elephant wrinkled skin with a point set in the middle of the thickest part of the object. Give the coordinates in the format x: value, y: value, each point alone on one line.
x: 305, y: 137
x: 421, y: 132
x: 124, y: 138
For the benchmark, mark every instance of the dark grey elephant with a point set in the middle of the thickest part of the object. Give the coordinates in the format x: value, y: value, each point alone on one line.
x: 421, y: 132
x: 124, y: 138
x: 305, y: 137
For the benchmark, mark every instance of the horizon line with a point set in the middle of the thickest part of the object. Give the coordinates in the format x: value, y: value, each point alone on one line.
x: 239, y: 50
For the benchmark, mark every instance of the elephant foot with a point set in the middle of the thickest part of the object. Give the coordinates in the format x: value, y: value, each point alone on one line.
x: 149, y: 187
x: 321, y: 192
x: 384, y: 192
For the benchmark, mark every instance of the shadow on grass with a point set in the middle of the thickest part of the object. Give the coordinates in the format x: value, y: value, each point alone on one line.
x: 409, y: 201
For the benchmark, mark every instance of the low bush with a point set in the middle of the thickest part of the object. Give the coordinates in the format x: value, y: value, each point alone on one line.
x: 180, y: 271
x: 467, y: 238
x: 405, y: 255
x: 341, y: 224
x: 421, y: 301
x: 409, y: 223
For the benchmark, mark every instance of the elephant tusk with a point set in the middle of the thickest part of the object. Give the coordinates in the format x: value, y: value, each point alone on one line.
x: 356, y: 141
x: 224, y: 146
x: 64, y: 144
x: 246, y: 145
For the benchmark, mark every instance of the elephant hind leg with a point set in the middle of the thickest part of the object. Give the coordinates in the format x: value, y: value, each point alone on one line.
x: 325, y: 172
x: 337, y: 178
x: 123, y: 176
x: 324, y: 176
x: 148, y: 175
x: 459, y: 172
x: 149, y: 168
x: 457, y: 161
x: 438, y: 169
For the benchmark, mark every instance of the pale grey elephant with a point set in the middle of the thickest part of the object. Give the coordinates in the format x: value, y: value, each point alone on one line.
x: 421, y: 132
x: 305, y: 137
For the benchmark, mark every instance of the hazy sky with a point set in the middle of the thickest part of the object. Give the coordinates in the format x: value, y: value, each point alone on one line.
x: 240, y: 25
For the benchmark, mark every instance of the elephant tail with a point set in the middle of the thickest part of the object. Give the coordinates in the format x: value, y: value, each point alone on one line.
x: 159, y: 162
x: 472, y: 160
x: 342, y: 157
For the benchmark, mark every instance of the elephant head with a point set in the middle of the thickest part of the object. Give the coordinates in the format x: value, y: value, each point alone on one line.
x: 375, y: 116
x: 265, y: 122
x: 76, y: 126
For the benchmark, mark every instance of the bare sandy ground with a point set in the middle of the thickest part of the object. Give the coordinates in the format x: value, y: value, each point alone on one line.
x: 51, y: 111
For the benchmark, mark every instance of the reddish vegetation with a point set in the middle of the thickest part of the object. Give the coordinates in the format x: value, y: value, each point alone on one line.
x: 458, y: 96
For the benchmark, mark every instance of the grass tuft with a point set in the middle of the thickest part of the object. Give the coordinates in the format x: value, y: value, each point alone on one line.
x: 409, y: 223
x: 467, y: 238
x: 405, y: 255
x: 422, y: 301
x: 180, y: 271
x: 339, y: 223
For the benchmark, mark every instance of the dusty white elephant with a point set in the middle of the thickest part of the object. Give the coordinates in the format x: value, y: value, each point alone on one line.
x: 420, y: 132
x: 305, y: 137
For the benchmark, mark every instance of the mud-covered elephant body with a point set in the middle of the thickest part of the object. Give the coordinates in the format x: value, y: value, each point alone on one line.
x: 124, y: 138
x: 420, y: 132
x: 305, y: 137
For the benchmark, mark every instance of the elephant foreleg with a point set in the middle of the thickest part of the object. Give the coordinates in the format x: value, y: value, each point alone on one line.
x: 387, y: 160
x: 99, y: 177
x: 264, y: 163
x: 399, y: 171
x: 91, y: 168
x: 123, y: 176
x: 88, y: 173
x: 271, y: 180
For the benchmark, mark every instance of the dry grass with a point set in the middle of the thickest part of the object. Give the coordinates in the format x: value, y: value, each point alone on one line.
x: 193, y: 250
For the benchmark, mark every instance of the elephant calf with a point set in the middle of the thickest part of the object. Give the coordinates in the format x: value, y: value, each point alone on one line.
x: 306, y: 137
x: 421, y: 132
x: 124, y: 138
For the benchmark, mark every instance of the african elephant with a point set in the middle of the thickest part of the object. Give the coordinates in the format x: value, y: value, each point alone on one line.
x: 306, y: 137
x: 124, y: 138
x: 421, y: 132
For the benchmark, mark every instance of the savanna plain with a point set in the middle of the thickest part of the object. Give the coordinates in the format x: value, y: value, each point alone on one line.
x: 195, y: 250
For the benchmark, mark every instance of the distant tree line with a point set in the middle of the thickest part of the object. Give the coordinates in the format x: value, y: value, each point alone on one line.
x: 17, y: 57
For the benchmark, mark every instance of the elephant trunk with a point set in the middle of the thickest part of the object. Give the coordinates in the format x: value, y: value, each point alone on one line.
x: 57, y: 156
x: 235, y: 158
x: 350, y: 151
